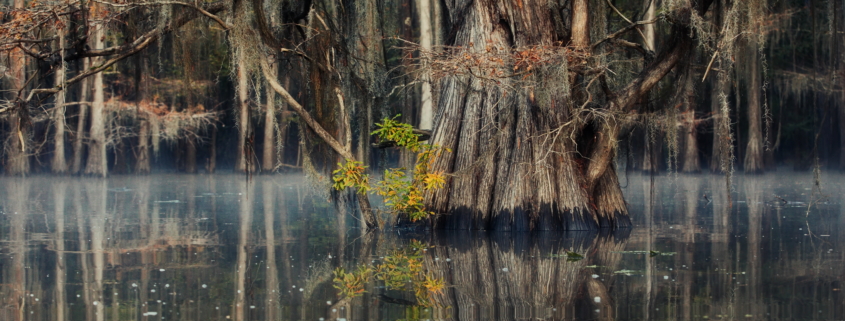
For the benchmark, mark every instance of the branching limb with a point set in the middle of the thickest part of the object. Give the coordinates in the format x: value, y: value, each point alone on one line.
x: 363, y: 200
x: 629, y: 21
x: 124, y: 51
x: 624, y: 30
x: 204, y: 12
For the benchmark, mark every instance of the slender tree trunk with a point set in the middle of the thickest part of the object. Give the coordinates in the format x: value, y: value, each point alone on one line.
x: 81, y: 121
x: 243, y: 113
x: 648, y: 30
x: 142, y: 165
x: 190, y: 154
x: 754, y: 150
x: 437, y: 21
x: 17, y: 160
x: 59, y: 163
x: 282, y: 133
x: 142, y: 162
x: 97, y: 161
x: 690, y: 157
x: 580, y: 23
x: 718, y: 137
x: 426, y: 37
x: 839, y: 55
x: 269, y: 149
x: 211, y: 164
x: 653, y: 153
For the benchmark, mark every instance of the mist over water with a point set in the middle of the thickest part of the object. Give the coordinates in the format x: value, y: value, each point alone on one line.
x: 222, y: 247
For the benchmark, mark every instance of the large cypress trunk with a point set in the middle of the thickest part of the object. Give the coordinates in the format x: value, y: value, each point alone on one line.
x: 509, y: 171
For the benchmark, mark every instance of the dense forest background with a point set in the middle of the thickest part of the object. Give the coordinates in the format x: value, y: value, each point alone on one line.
x: 550, y: 97
x: 173, y: 105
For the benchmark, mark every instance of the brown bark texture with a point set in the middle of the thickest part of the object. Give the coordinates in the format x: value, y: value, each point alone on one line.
x: 241, y: 160
x: 754, y: 150
x: 97, y: 162
x: 509, y: 168
x: 268, y: 163
x: 59, y: 162
x: 17, y: 160
x: 142, y: 165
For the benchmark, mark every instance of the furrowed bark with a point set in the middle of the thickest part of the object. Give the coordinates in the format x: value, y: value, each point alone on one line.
x: 142, y: 162
x: 509, y: 169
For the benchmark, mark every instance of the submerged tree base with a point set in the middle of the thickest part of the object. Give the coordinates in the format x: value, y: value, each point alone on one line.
x: 548, y: 219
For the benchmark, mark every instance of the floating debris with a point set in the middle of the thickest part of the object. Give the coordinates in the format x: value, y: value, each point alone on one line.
x: 628, y: 272
x: 650, y: 253
x: 570, y: 256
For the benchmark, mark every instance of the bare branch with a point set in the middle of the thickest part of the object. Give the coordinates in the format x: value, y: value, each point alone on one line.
x: 624, y: 30
x: 629, y: 21
x: 128, y: 50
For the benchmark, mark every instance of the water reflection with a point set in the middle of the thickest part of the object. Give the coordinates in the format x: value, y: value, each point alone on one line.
x: 226, y: 248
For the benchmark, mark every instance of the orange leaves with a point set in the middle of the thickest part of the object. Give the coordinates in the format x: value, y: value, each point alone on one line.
x: 498, y: 63
x: 351, y: 174
x: 26, y: 26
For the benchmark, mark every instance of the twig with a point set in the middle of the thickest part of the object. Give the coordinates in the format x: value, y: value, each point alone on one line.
x: 629, y: 21
x: 624, y: 30
x: 710, y: 65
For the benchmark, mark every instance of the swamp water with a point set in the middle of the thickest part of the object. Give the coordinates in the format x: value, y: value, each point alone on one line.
x: 172, y: 247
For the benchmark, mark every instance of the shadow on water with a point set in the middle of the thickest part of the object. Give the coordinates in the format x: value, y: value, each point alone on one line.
x: 223, y: 248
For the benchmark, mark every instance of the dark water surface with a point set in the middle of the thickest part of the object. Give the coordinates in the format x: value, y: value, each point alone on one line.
x: 172, y: 247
